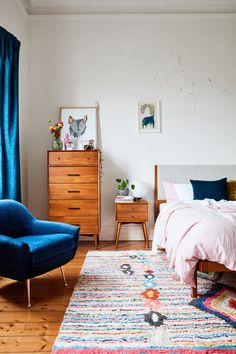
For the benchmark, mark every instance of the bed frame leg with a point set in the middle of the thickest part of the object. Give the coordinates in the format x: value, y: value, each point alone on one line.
x: 194, y: 290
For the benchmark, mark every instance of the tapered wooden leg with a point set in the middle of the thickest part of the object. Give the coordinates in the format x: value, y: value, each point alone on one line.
x: 118, y: 233
x: 96, y: 240
x: 144, y: 225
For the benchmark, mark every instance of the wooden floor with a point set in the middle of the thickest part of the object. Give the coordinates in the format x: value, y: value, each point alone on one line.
x: 34, y: 330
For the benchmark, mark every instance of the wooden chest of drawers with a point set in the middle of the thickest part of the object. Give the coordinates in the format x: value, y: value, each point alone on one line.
x: 74, y: 189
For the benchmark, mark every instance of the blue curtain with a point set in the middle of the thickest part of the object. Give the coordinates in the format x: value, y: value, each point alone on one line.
x: 9, y: 125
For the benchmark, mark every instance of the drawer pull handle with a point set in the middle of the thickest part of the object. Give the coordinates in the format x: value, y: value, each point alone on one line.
x: 73, y: 191
x: 58, y: 158
x: 74, y: 208
x: 73, y: 174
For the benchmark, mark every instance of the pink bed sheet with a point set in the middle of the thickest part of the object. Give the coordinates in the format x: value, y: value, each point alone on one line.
x: 197, y: 230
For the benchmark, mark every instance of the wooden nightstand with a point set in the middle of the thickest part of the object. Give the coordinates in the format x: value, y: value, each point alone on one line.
x: 135, y: 212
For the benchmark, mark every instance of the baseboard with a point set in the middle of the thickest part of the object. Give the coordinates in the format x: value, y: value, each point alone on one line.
x: 130, y: 232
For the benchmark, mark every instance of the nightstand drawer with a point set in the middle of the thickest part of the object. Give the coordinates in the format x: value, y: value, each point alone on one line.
x: 81, y: 158
x: 72, y: 174
x: 73, y: 191
x: 73, y: 208
x: 131, y: 208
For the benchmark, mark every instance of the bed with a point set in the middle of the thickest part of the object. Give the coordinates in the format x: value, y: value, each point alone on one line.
x: 183, y: 174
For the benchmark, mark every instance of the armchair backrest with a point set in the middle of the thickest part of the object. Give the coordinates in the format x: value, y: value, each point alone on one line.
x: 15, y: 218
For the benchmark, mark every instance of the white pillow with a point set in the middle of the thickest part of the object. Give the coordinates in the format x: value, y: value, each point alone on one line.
x: 184, y: 191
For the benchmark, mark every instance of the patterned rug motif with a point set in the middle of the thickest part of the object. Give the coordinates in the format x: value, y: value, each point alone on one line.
x: 129, y: 302
x: 221, y: 301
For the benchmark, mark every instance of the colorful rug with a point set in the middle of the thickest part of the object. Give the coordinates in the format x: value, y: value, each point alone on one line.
x: 129, y: 302
x: 221, y: 301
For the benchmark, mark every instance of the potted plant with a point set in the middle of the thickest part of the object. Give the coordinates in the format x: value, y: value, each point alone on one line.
x: 122, y: 186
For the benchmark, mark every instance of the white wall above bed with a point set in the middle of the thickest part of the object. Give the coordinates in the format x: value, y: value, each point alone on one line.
x: 186, y: 61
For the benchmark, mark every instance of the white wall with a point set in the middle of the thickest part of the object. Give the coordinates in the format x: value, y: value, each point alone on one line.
x: 186, y: 61
x: 14, y: 20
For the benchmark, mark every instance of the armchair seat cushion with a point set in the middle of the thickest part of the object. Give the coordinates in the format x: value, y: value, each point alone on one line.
x: 43, y: 247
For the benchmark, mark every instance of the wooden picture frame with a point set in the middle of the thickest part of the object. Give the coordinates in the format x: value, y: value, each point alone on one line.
x: 79, y: 127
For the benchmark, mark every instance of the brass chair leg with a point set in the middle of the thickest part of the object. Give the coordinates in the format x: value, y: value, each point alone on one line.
x: 63, y: 275
x: 28, y: 292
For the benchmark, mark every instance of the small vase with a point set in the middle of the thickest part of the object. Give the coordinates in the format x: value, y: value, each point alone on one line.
x: 57, y: 144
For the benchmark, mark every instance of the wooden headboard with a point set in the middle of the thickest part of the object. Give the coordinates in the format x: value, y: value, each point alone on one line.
x: 183, y: 173
x: 157, y: 201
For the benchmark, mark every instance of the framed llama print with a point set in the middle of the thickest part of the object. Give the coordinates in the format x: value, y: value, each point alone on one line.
x: 149, y: 117
x: 79, y: 130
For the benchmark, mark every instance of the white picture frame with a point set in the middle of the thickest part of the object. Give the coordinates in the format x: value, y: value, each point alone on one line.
x: 79, y: 126
x: 149, y: 120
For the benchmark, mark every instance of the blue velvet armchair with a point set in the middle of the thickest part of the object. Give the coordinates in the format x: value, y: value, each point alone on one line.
x: 30, y: 247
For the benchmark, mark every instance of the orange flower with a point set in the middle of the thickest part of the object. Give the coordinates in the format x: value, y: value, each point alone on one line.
x: 151, y: 294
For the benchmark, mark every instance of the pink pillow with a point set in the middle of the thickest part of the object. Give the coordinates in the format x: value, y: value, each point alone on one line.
x: 170, y: 192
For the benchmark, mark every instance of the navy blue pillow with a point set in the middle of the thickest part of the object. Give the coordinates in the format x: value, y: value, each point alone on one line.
x: 216, y: 190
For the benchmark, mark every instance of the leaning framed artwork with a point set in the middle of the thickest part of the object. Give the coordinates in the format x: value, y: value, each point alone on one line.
x: 79, y: 130
x: 149, y: 117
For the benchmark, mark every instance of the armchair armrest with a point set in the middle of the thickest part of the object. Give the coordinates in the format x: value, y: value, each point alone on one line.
x: 14, y: 258
x: 40, y: 227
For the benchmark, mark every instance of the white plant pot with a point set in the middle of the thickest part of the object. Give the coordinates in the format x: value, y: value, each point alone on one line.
x: 123, y: 192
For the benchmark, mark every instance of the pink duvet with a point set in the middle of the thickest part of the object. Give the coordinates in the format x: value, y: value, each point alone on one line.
x: 195, y: 230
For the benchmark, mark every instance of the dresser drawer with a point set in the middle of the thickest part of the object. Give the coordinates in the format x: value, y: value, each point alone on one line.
x: 73, y: 208
x: 81, y: 158
x: 88, y: 224
x: 73, y: 191
x: 73, y: 174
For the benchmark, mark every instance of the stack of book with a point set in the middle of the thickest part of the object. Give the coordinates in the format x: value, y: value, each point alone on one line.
x: 124, y: 199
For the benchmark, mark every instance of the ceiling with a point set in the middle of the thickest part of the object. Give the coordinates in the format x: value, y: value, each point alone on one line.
x: 60, y: 7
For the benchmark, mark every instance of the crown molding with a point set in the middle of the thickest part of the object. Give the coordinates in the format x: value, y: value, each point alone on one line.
x: 78, y: 7
x: 22, y: 7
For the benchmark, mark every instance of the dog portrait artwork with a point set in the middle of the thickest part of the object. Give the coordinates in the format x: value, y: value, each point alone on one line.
x: 79, y: 125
